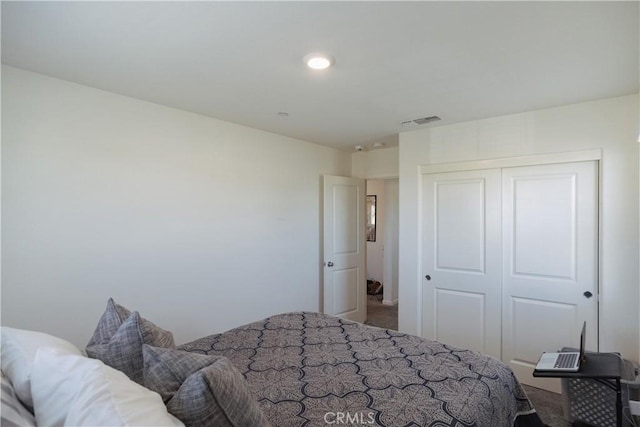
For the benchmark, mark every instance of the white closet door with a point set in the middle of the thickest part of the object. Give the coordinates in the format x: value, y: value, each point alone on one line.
x: 550, y: 262
x: 461, y: 259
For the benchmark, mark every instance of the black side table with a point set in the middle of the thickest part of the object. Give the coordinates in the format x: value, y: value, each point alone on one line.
x: 606, y: 368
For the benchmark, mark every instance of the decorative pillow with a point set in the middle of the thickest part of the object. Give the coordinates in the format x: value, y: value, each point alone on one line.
x: 13, y: 413
x: 19, y: 348
x: 73, y: 390
x: 165, y: 370
x: 114, y: 316
x: 201, y: 390
x: 123, y: 351
x: 109, y: 322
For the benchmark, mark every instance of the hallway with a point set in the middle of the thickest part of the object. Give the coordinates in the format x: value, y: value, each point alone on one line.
x: 380, y: 315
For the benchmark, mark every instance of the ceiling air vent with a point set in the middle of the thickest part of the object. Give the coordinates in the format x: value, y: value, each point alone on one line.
x: 422, y: 120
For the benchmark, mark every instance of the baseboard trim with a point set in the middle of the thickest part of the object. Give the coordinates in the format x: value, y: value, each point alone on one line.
x: 390, y: 302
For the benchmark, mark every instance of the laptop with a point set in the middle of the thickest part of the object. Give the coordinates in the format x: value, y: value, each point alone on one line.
x: 568, y: 361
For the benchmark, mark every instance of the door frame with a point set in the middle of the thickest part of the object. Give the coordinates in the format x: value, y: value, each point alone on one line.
x: 387, y: 260
x: 508, y: 162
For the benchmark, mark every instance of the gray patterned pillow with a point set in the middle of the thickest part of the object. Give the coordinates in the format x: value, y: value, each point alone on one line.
x: 123, y: 351
x: 201, y: 390
x: 113, y: 317
x: 13, y: 413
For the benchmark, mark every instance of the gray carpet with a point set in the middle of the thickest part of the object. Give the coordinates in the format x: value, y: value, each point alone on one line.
x: 547, y: 404
x: 380, y: 315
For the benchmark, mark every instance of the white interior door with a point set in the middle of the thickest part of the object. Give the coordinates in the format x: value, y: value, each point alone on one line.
x: 461, y: 259
x: 550, y: 250
x: 344, y: 278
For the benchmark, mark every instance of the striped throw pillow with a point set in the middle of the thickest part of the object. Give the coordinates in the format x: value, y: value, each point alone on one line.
x: 13, y: 413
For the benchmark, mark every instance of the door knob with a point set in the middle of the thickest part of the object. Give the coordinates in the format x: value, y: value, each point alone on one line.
x: 427, y: 277
x: 588, y: 294
x: 329, y: 264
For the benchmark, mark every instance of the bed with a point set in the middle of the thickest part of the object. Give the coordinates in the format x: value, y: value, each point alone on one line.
x: 311, y: 369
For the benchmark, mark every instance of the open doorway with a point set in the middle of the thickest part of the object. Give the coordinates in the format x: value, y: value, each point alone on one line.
x: 382, y: 254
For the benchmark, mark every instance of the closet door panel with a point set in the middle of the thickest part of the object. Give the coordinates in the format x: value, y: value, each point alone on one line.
x: 550, y: 259
x: 461, y: 259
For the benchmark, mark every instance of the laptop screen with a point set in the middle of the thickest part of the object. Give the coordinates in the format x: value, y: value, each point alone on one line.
x: 583, y: 336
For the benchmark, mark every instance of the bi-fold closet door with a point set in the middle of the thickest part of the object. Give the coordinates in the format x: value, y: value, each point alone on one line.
x: 510, y: 260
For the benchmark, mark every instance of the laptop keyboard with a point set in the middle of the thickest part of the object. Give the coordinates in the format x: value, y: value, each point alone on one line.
x: 566, y: 360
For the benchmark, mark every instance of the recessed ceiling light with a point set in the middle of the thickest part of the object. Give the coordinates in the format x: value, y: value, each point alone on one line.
x: 318, y: 61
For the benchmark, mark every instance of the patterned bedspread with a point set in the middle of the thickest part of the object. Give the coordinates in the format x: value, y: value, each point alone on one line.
x: 310, y: 369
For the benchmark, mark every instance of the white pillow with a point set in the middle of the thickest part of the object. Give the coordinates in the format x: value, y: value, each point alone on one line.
x: 19, y: 348
x: 69, y: 389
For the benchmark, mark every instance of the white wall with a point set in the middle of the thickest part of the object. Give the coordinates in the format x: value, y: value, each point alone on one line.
x: 375, y: 249
x: 390, y: 263
x: 610, y: 125
x: 383, y: 163
x: 378, y: 163
x: 382, y: 255
x: 200, y: 224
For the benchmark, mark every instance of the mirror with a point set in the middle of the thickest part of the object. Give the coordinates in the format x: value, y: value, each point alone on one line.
x: 371, y: 218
